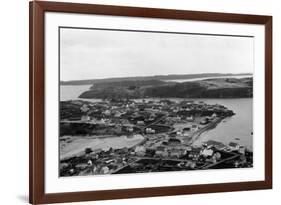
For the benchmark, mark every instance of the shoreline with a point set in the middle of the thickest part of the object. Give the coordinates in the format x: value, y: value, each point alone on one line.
x: 64, y: 156
x: 210, y: 126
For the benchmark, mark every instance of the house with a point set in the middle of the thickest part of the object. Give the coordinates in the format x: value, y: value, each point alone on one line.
x: 81, y: 166
x: 204, y: 121
x: 95, y: 121
x: 207, y: 152
x: 194, y: 128
x: 242, y: 150
x: 194, y: 153
x: 104, y: 170
x: 150, y: 152
x: 177, y: 153
x: 85, y: 118
x: 186, y: 131
x: 140, y: 122
x: 174, y: 141
x: 173, y: 134
x: 214, y: 115
x: 109, y: 161
x: 85, y: 108
x: 217, y: 156
x: 212, y: 143
x: 234, y: 146
x: 117, y: 114
x: 179, y: 133
x: 149, y: 131
x: 190, y: 118
x: 161, y: 151
x: 140, y: 151
x: 191, y: 164
x: 185, y: 134
x: 90, y: 163
x: 107, y: 112
x: 127, y: 127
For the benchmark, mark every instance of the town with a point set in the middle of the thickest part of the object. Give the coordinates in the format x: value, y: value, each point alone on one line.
x: 167, y: 129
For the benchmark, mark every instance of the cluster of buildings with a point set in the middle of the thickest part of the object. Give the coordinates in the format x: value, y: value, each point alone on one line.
x: 168, y: 128
x: 133, y: 159
x: 139, y: 112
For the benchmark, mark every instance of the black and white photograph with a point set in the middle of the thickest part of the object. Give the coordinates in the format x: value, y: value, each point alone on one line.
x: 134, y: 101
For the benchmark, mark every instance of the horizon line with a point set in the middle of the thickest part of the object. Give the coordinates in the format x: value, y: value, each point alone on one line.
x: 247, y: 73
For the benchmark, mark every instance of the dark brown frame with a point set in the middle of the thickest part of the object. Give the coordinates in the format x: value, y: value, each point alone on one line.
x: 37, y: 194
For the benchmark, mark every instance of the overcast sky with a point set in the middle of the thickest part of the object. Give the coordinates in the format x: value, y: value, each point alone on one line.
x: 95, y: 54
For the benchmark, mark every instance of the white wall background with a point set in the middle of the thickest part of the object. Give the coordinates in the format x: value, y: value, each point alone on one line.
x: 14, y: 100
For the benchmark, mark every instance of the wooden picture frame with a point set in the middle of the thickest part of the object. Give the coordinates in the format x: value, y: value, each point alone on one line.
x: 37, y: 98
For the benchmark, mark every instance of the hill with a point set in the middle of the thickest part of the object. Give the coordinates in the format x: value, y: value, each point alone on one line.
x: 210, y: 88
x: 145, y: 78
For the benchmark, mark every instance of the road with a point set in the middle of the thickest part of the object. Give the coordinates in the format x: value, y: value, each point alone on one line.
x: 149, y: 158
x: 222, y: 161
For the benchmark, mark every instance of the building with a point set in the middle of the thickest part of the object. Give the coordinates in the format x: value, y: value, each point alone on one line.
x: 95, y: 121
x: 107, y: 112
x: 85, y: 118
x: 186, y: 131
x: 216, y: 144
x: 128, y: 127
x: 204, y: 121
x: 194, y: 153
x: 117, y: 114
x: 85, y: 108
x: 185, y: 134
x: 90, y: 163
x: 214, y: 115
x: 194, y: 128
x: 207, y: 152
x: 234, y: 146
x: 104, y: 170
x: 179, y: 133
x: 150, y: 152
x: 177, y: 153
x: 242, y: 150
x: 149, y: 131
x: 140, y: 151
x: 189, y: 118
x: 140, y: 122
x: 161, y: 151
x: 174, y: 142
x: 217, y: 156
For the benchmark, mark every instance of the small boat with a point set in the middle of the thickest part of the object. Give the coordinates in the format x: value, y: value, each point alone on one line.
x: 237, y: 138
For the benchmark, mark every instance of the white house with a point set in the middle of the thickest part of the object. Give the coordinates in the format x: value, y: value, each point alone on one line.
x: 207, y: 152
x: 85, y: 118
x: 84, y: 108
x: 149, y: 131
x: 140, y: 150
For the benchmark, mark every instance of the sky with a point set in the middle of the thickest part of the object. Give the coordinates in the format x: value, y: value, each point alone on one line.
x: 97, y: 54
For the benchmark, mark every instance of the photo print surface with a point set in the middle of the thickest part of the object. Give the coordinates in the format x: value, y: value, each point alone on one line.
x: 136, y: 101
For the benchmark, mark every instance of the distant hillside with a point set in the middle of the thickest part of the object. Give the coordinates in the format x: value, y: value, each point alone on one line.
x: 210, y: 88
x: 131, y: 84
x: 156, y: 77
